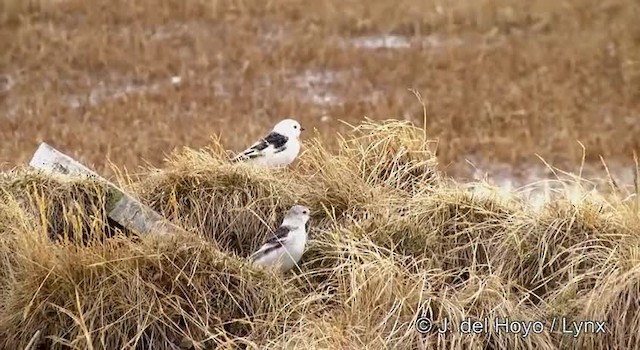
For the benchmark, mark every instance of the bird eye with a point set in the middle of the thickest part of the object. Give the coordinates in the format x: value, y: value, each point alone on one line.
x: 295, y: 126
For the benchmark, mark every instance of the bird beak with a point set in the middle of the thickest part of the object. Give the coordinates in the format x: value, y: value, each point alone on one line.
x: 301, y: 129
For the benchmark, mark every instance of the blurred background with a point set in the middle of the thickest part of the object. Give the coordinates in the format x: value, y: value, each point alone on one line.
x: 502, y: 81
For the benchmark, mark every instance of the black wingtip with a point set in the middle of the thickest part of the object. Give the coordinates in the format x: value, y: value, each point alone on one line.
x: 237, y: 159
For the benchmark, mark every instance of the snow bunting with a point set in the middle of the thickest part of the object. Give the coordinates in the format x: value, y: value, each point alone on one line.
x: 285, y: 248
x: 279, y: 148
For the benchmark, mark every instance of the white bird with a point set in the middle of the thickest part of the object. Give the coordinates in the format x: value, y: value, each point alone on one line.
x: 279, y: 148
x: 285, y: 248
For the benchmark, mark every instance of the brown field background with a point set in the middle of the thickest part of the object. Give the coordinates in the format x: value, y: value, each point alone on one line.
x: 499, y: 83
x: 502, y: 80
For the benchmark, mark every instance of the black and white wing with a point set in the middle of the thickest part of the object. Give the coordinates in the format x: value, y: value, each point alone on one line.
x: 277, y: 240
x: 270, y: 144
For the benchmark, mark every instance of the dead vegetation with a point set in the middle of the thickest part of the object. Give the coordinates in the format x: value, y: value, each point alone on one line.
x: 501, y: 79
x: 409, y: 243
x: 147, y: 83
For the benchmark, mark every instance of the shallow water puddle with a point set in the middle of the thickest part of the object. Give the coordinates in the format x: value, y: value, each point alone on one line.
x: 537, y: 184
x: 104, y: 92
x: 315, y: 85
x: 434, y: 41
x: 379, y: 42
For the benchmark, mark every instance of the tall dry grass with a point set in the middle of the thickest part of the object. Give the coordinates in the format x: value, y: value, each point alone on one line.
x: 393, y: 239
x: 502, y: 79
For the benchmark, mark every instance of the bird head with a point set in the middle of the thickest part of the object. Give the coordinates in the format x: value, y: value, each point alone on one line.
x: 289, y: 127
x: 297, y: 215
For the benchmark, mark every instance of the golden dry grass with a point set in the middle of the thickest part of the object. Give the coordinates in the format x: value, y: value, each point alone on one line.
x: 392, y: 240
x: 133, y: 82
x: 502, y: 79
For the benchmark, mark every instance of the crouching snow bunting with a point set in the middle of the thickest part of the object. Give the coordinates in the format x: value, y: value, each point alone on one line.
x: 285, y: 248
x: 279, y: 148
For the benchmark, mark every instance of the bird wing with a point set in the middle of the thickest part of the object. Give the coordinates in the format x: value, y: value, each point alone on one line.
x: 278, y: 239
x: 270, y: 144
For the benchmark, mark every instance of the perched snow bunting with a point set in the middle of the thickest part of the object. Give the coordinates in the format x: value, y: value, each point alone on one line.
x: 279, y: 148
x: 285, y: 248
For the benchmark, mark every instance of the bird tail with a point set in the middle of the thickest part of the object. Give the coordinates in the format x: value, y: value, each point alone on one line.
x: 241, y: 157
x: 253, y: 257
x: 244, y: 156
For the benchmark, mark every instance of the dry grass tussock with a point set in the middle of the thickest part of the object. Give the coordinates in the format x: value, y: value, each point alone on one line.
x: 130, y: 80
x: 392, y: 240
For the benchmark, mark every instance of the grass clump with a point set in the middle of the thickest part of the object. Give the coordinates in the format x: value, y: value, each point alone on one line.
x: 566, y: 245
x: 614, y: 301
x: 69, y: 208
x: 155, y: 294
x: 391, y: 153
x: 233, y: 206
x: 391, y: 240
